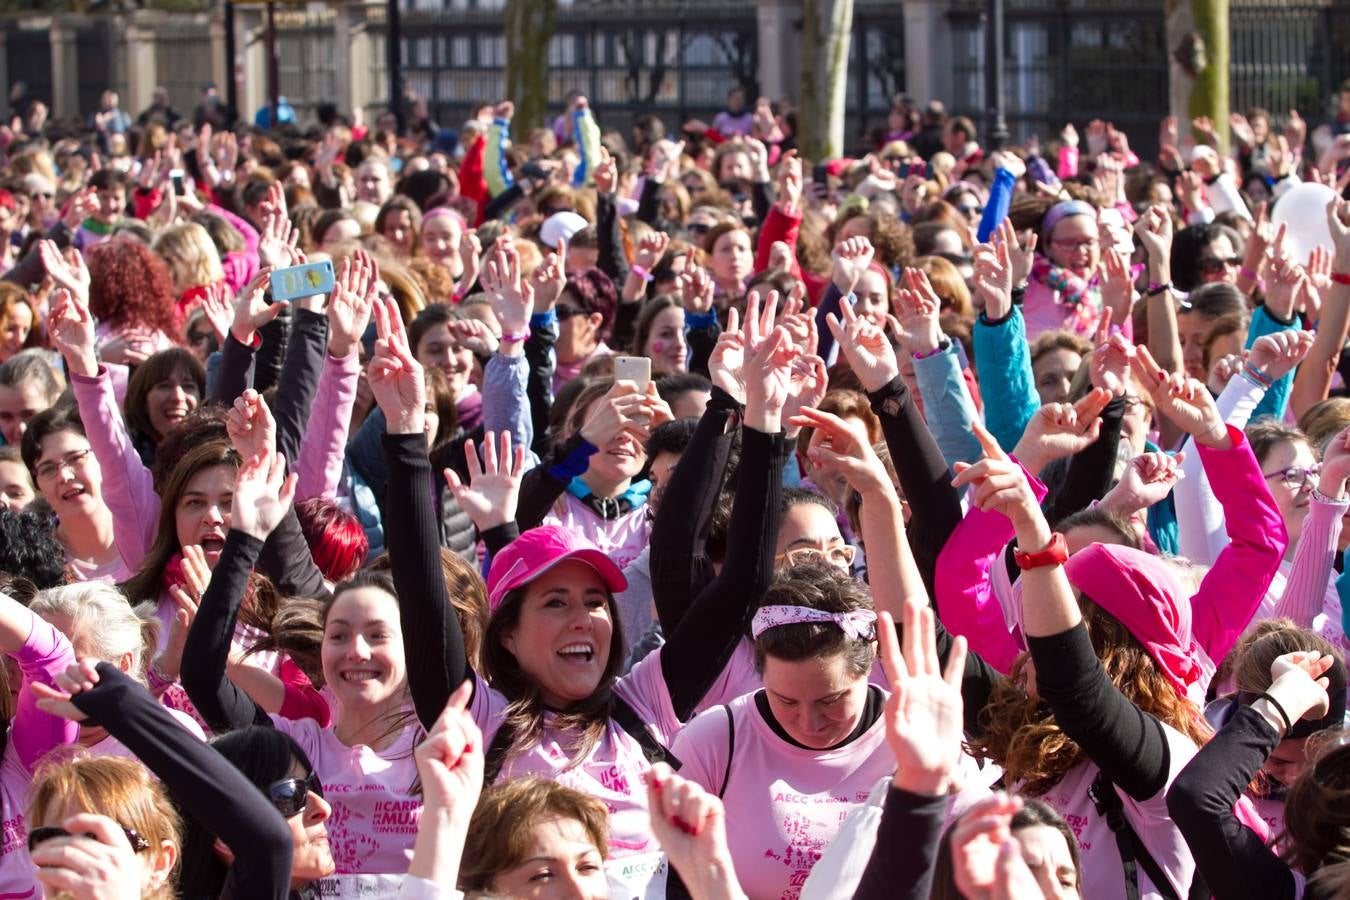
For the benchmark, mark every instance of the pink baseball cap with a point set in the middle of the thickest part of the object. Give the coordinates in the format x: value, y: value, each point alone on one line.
x: 540, y: 549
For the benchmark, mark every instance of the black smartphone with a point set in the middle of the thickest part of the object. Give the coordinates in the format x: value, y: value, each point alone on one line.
x: 820, y: 174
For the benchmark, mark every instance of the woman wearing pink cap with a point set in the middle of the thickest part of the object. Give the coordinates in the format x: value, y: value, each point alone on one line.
x: 549, y: 701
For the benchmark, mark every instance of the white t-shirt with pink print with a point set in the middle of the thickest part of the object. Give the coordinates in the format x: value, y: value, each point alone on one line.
x: 788, y: 801
x: 375, y: 813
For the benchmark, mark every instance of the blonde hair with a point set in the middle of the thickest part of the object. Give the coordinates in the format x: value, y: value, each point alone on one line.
x: 101, y: 616
x: 190, y: 254
x: 121, y: 789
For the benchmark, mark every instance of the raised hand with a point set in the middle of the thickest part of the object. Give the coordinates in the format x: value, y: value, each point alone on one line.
x: 80, y: 207
x: 1277, y: 354
x: 475, y: 335
x: 1117, y: 284
x: 650, y: 249
x: 470, y: 254
x: 918, y: 306
x: 1183, y: 400
x: 1335, y: 465
x: 1154, y: 230
x: 71, y: 328
x: 999, y: 485
x: 1295, y: 130
x: 350, y: 304
x: 780, y: 256
x: 1147, y: 480
x: 1110, y: 367
x: 250, y: 425
x: 1222, y: 371
x: 606, y: 173
x: 93, y: 861
x: 494, y: 485
x: 278, y: 237
x: 1060, y: 430
x: 727, y: 361
x: 621, y: 409
x: 1338, y: 219
x: 1299, y: 684
x: 395, y: 375
x: 549, y: 278
x: 790, y: 182
x: 923, y: 714
x: 691, y: 825
x: 696, y: 290
x: 73, y: 276
x: 263, y: 492
x: 850, y: 260
x: 216, y: 304
x: 987, y: 860
x: 994, y: 278
x: 768, y: 382
x: 251, y: 309
x: 511, y: 296
x: 450, y: 759
x: 77, y: 678
x: 869, y: 354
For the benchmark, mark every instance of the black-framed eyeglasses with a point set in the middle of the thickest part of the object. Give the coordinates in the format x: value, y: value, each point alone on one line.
x: 291, y: 795
x: 39, y: 836
x: 565, y: 311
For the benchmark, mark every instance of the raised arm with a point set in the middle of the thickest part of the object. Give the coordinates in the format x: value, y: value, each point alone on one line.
x: 434, y: 644
x: 42, y: 654
x: 211, y: 789
x: 1314, y: 560
x: 1002, y: 353
x: 263, y: 493
x: 925, y: 480
x: 1313, y: 380
x: 699, y: 649
x: 1233, y: 860
x: 128, y: 487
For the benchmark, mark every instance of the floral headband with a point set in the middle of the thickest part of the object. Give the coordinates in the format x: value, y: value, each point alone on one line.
x: 858, y: 624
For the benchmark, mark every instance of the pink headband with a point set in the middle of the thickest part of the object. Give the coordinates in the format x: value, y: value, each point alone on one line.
x: 859, y: 624
x: 442, y: 212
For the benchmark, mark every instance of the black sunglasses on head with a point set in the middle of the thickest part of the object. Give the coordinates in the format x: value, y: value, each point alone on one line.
x: 39, y: 836
x: 291, y: 795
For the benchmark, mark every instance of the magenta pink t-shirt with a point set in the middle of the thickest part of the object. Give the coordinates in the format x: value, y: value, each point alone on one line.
x: 18, y: 878
x: 375, y: 813
x: 787, y: 802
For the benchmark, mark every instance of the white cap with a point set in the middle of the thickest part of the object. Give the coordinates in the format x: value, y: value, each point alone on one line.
x: 561, y: 225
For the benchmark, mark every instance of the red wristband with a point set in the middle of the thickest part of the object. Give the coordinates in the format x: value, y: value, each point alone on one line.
x: 1056, y: 553
x: 1341, y: 277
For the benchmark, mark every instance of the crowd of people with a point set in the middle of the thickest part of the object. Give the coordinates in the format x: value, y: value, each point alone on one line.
x: 645, y: 514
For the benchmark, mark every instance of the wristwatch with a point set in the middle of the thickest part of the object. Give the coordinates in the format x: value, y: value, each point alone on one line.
x: 1056, y: 553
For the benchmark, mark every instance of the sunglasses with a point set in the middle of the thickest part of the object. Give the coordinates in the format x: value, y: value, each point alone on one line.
x: 1212, y: 265
x: 46, y: 195
x: 291, y: 795
x: 41, y: 835
x: 699, y: 228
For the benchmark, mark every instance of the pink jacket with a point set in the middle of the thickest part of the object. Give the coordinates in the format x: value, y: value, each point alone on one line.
x: 966, y: 600
x: 323, y: 447
x: 128, y: 488
x: 1221, y: 609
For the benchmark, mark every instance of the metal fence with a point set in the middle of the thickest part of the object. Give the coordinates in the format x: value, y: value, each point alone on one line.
x: 1077, y: 60
x: 183, y: 59
x: 307, y: 61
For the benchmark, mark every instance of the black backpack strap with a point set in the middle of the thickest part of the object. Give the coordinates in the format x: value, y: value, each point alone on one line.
x: 731, y: 751
x: 628, y: 719
x: 1133, y: 853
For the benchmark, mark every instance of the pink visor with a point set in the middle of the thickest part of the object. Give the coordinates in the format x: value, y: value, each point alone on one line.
x: 540, y: 549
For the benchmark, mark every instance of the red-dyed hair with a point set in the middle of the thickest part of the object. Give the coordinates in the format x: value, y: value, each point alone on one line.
x: 130, y: 286
x: 336, y: 540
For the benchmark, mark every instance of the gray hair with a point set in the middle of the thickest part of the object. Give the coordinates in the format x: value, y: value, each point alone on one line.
x: 103, y: 619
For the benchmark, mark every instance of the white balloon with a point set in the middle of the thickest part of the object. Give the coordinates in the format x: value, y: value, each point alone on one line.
x: 1303, y: 210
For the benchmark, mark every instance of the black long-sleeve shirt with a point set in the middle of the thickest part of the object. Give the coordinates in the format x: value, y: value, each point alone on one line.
x: 1232, y: 858
x: 902, y: 860
x: 1092, y: 471
x: 679, y: 563
x: 201, y: 780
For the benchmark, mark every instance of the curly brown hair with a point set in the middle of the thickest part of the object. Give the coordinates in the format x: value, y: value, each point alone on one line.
x: 130, y: 287
x: 1019, y: 730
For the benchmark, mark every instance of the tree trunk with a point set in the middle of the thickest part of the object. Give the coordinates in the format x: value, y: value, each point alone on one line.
x: 1198, y: 54
x: 827, y: 33
x: 529, y: 26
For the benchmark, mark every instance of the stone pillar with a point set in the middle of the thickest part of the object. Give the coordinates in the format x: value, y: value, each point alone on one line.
x: 65, y: 69
x: 141, y: 74
x: 779, y: 48
x: 928, y: 50
x: 222, y: 68
x: 359, y: 91
x: 254, y: 48
x: 345, y: 19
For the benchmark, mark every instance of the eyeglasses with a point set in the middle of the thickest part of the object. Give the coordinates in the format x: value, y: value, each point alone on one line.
x: 1072, y: 245
x: 1297, y: 478
x: 291, y: 795
x: 698, y: 228
x: 841, y: 556
x: 1212, y: 265
x: 42, y: 835
x: 49, y: 470
x: 46, y: 195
